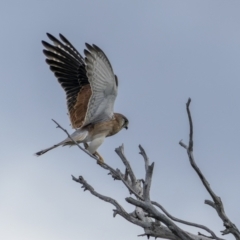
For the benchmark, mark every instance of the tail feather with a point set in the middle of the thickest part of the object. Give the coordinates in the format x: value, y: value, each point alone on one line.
x: 78, y: 136
x: 45, y: 150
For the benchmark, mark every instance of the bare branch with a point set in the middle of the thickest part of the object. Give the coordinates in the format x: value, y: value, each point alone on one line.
x: 132, y: 190
x: 147, y: 183
x: 217, y: 203
x: 210, y: 203
x: 148, y: 207
x: 119, y: 209
x: 120, y: 153
x: 151, y: 228
x: 186, y: 222
x: 200, y: 234
x: 148, y: 175
x: 138, y: 217
x: 190, y: 145
x: 183, y: 145
x: 145, y: 157
x: 135, y: 188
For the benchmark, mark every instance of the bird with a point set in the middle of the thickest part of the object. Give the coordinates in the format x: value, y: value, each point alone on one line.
x: 91, y: 88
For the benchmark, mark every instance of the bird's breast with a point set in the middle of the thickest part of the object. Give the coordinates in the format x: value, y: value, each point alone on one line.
x: 106, y: 128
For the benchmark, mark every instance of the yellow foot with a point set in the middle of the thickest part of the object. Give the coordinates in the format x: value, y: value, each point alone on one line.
x: 100, y: 160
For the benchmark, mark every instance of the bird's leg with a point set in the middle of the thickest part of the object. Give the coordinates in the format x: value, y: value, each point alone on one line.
x: 96, y: 154
x: 100, y: 158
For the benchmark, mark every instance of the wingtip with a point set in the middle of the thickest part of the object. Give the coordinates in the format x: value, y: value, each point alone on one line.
x: 64, y: 39
x: 45, y: 52
x: 49, y: 35
x: 52, y: 38
x: 46, y: 44
x: 89, y: 47
x: 86, y: 53
x: 97, y: 48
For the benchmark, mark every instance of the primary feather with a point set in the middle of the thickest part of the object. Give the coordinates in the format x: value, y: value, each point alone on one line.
x: 90, y: 84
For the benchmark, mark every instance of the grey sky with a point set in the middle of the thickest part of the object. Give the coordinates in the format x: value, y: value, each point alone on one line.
x: 163, y: 52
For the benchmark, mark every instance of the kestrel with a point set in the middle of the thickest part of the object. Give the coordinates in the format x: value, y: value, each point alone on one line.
x: 91, y: 89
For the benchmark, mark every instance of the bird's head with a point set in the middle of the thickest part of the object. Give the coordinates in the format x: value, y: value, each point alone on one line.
x: 123, y: 121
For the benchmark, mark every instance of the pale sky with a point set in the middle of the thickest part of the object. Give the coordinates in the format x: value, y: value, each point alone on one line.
x: 163, y: 52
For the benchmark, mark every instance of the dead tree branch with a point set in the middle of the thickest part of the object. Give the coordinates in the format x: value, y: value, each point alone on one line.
x: 119, y: 209
x: 213, y: 236
x: 147, y: 183
x: 137, y: 217
x: 143, y: 205
x: 154, y: 229
x: 217, y: 203
x: 120, y: 153
x: 145, y: 157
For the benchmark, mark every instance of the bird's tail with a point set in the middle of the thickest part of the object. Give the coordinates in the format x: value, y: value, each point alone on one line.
x: 78, y: 136
x: 46, y: 150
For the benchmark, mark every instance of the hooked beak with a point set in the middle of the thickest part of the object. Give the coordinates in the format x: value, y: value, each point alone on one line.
x: 126, y: 127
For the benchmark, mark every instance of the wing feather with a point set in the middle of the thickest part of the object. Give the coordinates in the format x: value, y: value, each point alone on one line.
x: 69, y: 67
x: 103, y: 84
x: 89, y: 83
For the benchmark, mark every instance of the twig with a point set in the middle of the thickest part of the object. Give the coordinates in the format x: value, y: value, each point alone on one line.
x: 200, y: 234
x: 190, y: 146
x: 145, y: 157
x: 120, y: 153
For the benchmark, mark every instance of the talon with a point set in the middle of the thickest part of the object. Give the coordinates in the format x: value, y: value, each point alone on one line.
x: 100, y: 158
x: 100, y: 161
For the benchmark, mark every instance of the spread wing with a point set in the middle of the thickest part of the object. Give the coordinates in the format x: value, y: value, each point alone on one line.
x: 69, y: 67
x: 90, y: 84
x: 103, y: 84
